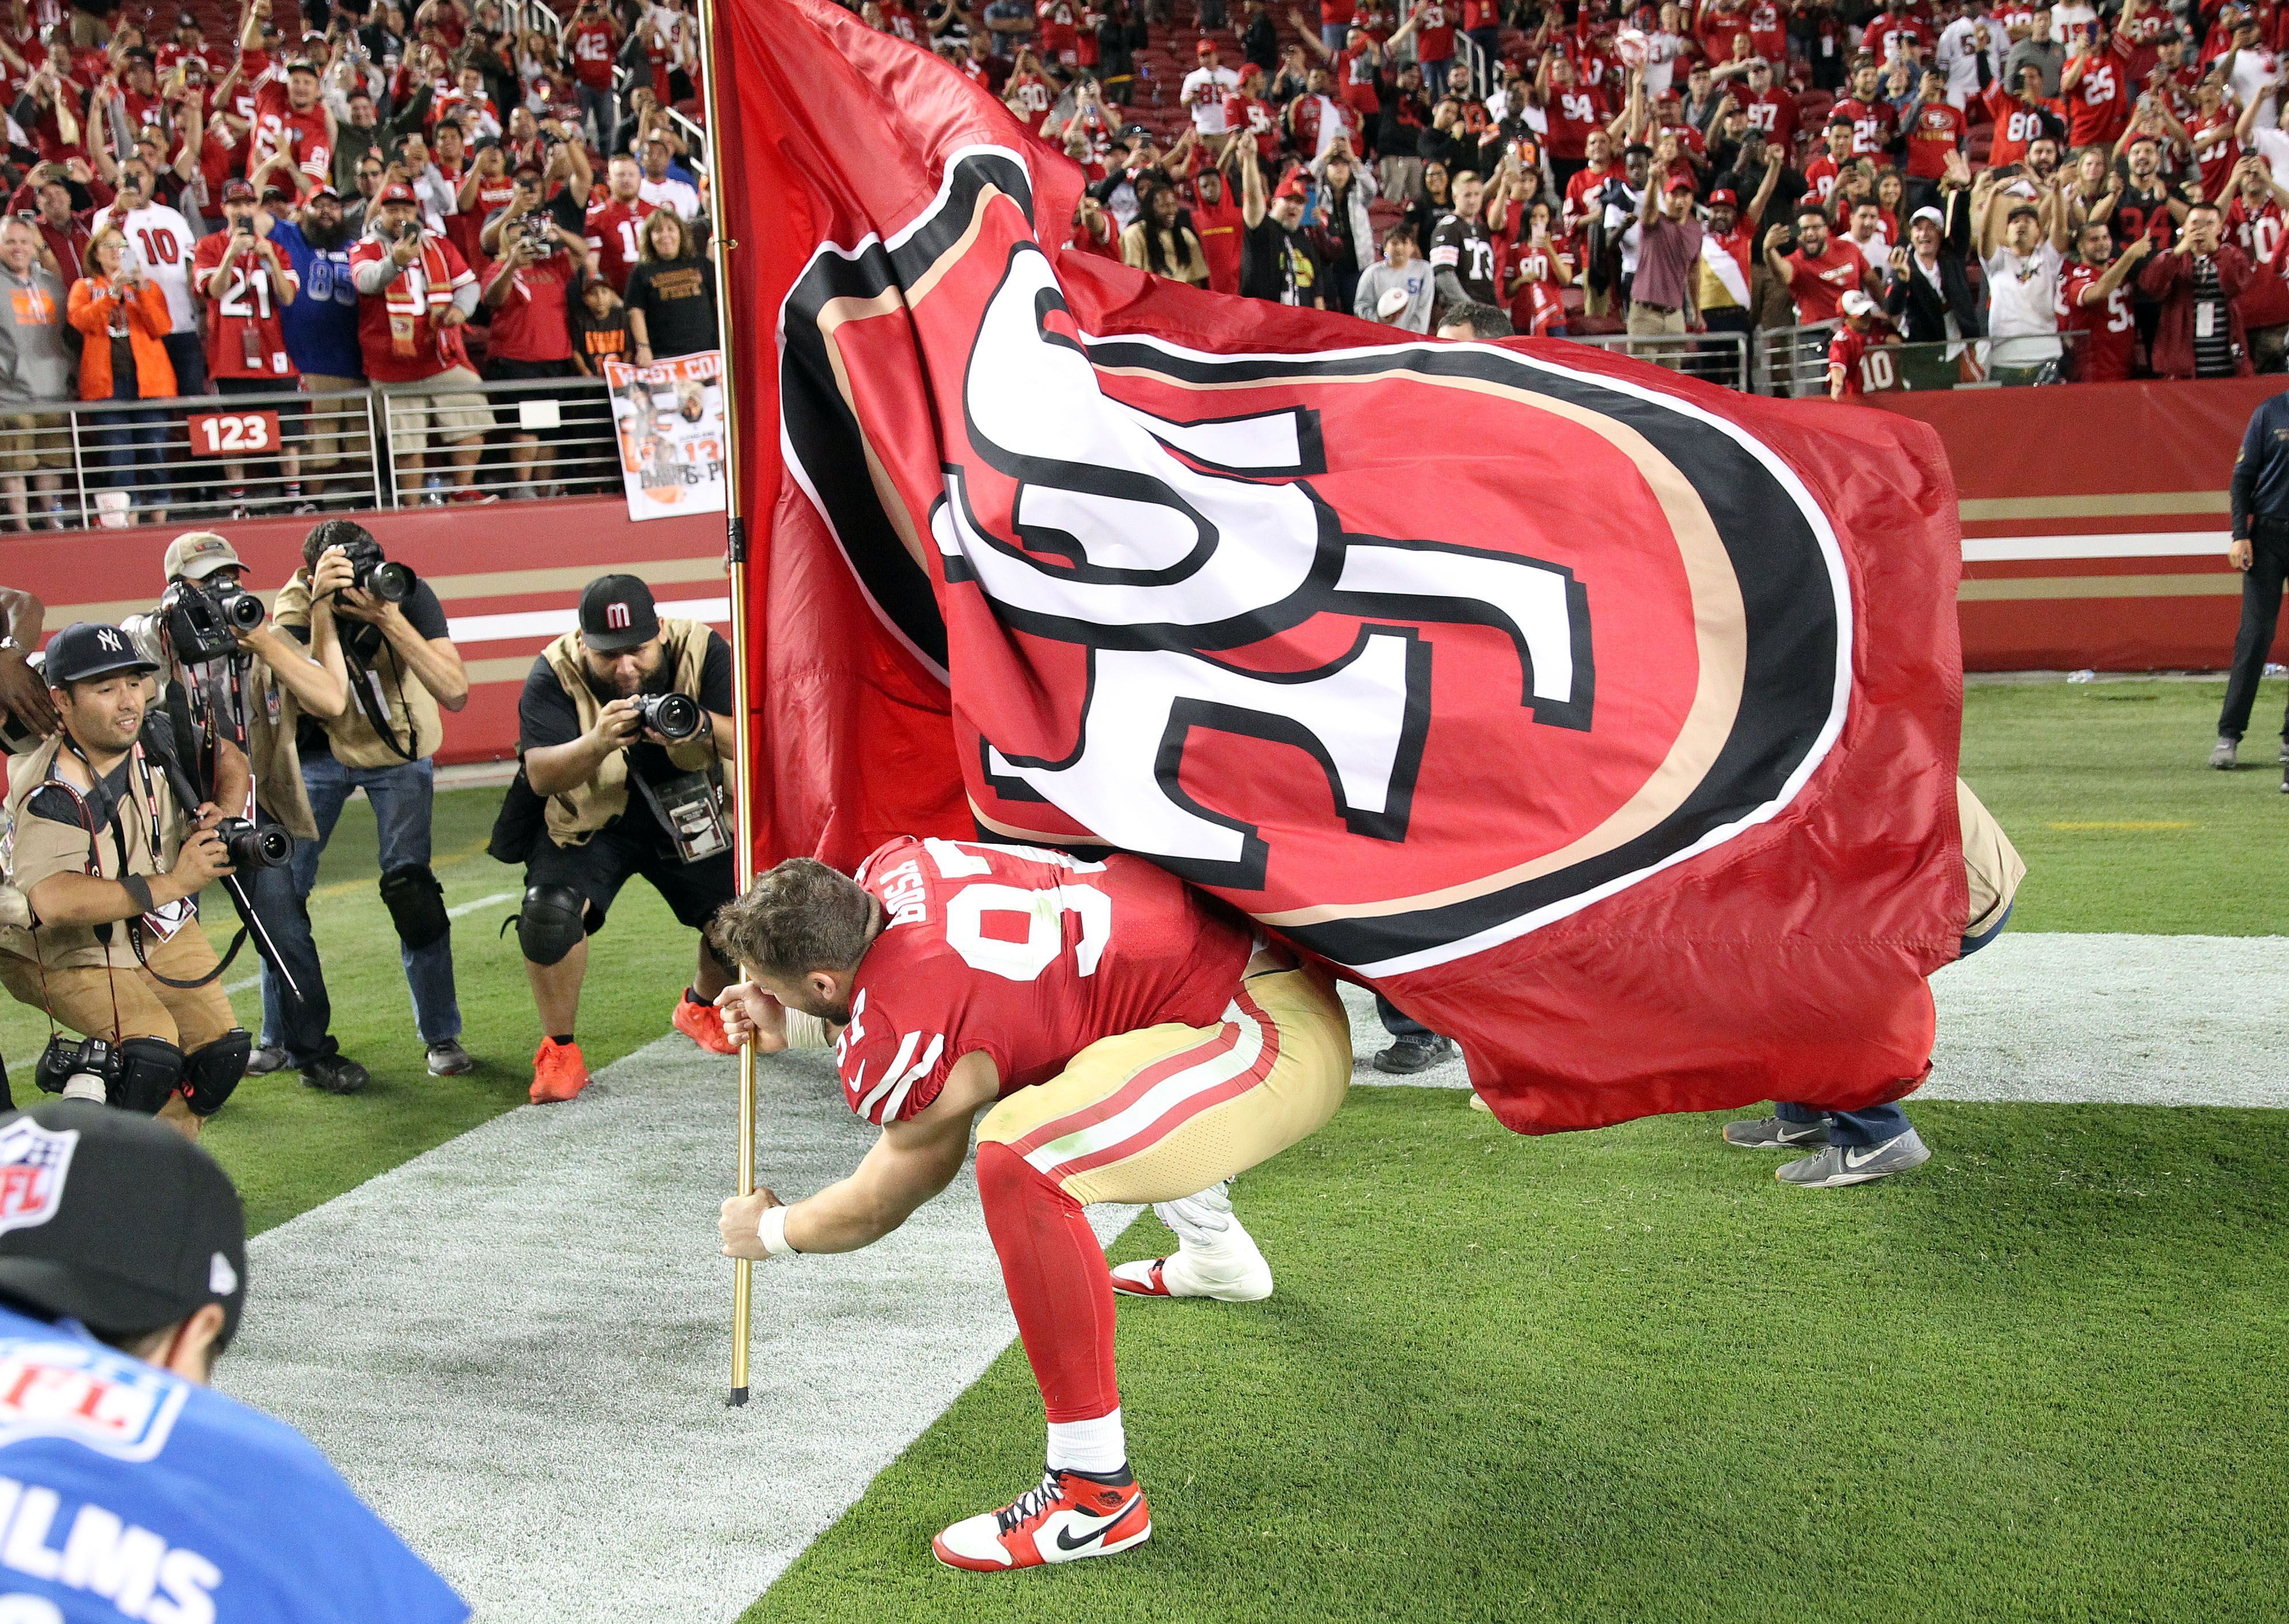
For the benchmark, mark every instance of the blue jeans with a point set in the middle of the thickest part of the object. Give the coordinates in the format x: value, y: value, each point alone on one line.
x: 1878, y: 1123
x: 401, y: 798
x: 132, y: 446
x: 603, y: 109
x: 1405, y: 1028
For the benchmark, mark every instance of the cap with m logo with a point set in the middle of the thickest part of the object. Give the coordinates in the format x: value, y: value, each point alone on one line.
x: 617, y: 614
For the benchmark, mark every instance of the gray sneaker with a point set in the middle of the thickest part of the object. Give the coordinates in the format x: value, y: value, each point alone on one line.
x: 336, y: 1074
x: 449, y: 1059
x: 265, y: 1060
x: 1772, y: 1134
x: 1839, y: 1165
x: 2222, y: 753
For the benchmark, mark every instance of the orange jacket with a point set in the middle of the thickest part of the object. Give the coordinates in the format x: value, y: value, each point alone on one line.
x: 148, y: 321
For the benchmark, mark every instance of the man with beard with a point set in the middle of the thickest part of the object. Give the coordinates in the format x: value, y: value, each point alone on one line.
x: 322, y: 335
x: 629, y: 790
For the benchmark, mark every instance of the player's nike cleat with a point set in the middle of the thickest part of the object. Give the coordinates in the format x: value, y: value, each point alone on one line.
x: 1776, y: 1133
x: 1839, y: 1165
x: 703, y: 1024
x: 558, y: 1071
x: 1070, y: 1515
x: 1232, y: 1271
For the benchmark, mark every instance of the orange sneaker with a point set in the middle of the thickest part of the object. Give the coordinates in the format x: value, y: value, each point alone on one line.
x: 558, y: 1071
x: 703, y: 1024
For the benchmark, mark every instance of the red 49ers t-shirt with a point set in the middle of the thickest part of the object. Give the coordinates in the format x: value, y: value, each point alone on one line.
x: 244, y: 338
x: 1819, y: 285
x: 2107, y: 327
x: 1026, y: 956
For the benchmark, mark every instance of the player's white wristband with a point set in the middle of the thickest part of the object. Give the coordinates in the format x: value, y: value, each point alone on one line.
x: 807, y: 1031
x: 771, y: 1230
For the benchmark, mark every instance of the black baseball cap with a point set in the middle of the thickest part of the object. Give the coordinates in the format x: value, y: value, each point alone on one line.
x: 86, y: 649
x: 617, y: 614
x: 115, y: 1220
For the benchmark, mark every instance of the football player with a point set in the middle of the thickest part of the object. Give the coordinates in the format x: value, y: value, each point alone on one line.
x: 1118, y: 1036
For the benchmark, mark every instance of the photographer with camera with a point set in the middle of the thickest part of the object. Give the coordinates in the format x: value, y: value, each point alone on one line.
x: 112, y: 861
x: 415, y: 292
x: 529, y: 297
x: 386, y: 630
x: 623, y: 727
x: 247, y: 680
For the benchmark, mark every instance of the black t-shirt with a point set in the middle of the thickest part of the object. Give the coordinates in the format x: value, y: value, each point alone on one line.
x: 1278, y: 265
x: 547, y: 715
x: 361, y: 647
x: 678, y: 301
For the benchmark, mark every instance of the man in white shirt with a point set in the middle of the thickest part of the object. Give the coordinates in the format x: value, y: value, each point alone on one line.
x: 2022, y: 292
x: 162, y: 241
x: 2252, y: 75
x: 661, y: 190
x: 1866, y: 232
x: 1961, y: 44
x: 1205, y: 89
x: 1663, y: 47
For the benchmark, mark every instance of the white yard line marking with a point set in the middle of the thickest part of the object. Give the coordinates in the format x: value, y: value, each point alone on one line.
x: 2067, y: 1019
x: 516, y: 1345
x: 461, y: 910
x: 245, y: 983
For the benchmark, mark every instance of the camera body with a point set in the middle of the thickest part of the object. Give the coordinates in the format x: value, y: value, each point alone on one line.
x: 64, y: 1062
x: 251, y: 847
x: 674, y: 717
x: 200, y: 623
x: 370, y: 572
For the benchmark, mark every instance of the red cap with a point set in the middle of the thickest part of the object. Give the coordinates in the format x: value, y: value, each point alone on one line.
x: 1205, y: 48
x: 1681, y: 183
x: 1293, y: 186
x: 1723, y: 195
x: 238, y: 191
x: 397, y: 192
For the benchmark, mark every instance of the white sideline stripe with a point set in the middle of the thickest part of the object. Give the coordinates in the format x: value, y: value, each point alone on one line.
x: 461, y: 910
x: 516, y: 1346
x: 555, y: 622
x: 2069, y: 1019
x: 2142, y: 544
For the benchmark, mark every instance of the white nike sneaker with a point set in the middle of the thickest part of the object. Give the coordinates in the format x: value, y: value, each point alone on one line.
x: 1070, y: 1516
x: 1215, y: 1257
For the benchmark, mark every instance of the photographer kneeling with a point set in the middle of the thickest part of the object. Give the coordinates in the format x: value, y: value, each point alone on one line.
x: 113, y: 863
x: 269, y: 684
x: 623, y: 724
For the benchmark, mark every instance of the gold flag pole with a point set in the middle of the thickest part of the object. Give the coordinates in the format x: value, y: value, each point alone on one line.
x: 720, y: 249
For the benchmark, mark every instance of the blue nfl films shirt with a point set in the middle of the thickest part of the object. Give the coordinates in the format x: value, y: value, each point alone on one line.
x: 321, y: 325
x: 128, y: 1492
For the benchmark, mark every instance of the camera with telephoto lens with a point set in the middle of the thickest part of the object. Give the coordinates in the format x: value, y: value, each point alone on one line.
x: 253, y: 847
x: 200, y: 623
x: 63, y: 1062
x: 369, y: 572
x: 674, y: 717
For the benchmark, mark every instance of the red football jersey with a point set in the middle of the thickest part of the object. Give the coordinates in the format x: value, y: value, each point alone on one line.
x: 1938, y: 130
x: 2098, y: 106
x: 1026, y: 956
x: 1772, y: 110
x: 2107, y: 327
x: 2216, y: 150
x: 303, y: 134
x: 1260, y: 118
x: 1873, y: 125
x: 1867, y: 363
x: 1574, y: 111
x: 613, y: 227
x: 1030, y: 94
x: 594, y: 52
x: 244, y: 338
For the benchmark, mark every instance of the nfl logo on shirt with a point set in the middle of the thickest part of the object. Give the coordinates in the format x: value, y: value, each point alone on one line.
x: 53, y: 1388
x: 33, y: 1162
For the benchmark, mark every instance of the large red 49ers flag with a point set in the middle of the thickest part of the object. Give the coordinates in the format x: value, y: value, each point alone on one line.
x: 1606, y: 722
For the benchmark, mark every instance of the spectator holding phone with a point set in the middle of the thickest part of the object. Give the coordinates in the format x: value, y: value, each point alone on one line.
x: 415, y: 293
x: 528, y: 293
x: 124, y: 323
x: 247, y: 285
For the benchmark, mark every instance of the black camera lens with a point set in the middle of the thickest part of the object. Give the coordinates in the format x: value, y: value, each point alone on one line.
x: 393, y: 583
x: 252, y: 847
x: 239, y: 608
x: 674, y: 717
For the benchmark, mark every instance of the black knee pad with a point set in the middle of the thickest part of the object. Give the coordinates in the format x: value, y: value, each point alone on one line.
x: 416, y: 903
x: 210, y: 1074
x: 148, y: 1071
x: 552, y: 923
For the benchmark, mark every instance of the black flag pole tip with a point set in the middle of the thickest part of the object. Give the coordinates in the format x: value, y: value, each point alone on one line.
x: 739, y: 1397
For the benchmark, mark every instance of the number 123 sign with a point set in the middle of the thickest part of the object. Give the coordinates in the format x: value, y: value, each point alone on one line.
x: 233, y: 434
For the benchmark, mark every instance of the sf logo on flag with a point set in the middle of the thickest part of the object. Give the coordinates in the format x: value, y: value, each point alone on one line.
x: 1404, y: 649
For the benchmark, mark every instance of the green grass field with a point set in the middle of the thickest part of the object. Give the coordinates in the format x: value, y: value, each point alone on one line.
x: 1625, y: 1375
x: 1617, y: 1375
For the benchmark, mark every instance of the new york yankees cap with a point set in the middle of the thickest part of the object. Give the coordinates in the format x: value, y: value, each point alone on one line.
x: 86, y: 649
x: 115, y: 1220
x: 617, y: 614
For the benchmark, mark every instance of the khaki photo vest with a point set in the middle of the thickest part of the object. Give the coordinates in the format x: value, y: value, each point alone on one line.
x: 575, y: 816
x: 38, y: 846
x: 412, y: 708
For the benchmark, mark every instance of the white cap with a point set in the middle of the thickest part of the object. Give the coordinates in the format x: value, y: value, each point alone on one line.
x: 1929, y: 213
x: 1856, y: 303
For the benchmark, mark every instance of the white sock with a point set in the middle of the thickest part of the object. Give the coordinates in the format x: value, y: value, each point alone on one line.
x: 1098, y: 1445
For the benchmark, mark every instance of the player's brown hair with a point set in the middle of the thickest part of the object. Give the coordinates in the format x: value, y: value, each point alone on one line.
x: 802, y: 916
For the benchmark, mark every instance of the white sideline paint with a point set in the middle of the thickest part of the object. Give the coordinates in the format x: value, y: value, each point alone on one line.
x: 516, y: 1345
x: 460, y: 911
x: 2141, y: 544
x: 2069, y: 1019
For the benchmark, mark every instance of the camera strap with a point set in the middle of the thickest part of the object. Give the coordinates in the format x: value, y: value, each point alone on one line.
x: 365, y: 685
x: 165, y: 923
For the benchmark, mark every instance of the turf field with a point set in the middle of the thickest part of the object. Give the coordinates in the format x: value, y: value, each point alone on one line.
x: 1626, y: 1376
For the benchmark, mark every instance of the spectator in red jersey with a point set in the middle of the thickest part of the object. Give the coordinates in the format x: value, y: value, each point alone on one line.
x: 2022, y: 116
x: 1822, y: 175
x: 1936, y: 130
x: 1899, y: 34
x: 1577, y: 117
x: 1217, y: 222
x: 592, y: 39
x: 2254, y: 224
x: 2198, y: 285
x: 614, y: 221
x: 1600, y: 165
x: 1820, y: 272
x: 1094, y: 231
x: 2096, y: 86
x: 44, y: 112
x: 2216, y: 149
x: 1245, y: 113
x: 1537, y: 268
x: 1875, y: 122
x: 528, y: 294
x: 1770, y: 108
x: 290, y: 119
x: 2097, y: 301
x: 63, y: 235
x: 1851, y: 369
x: 244, y: 283
x: 415, y: 293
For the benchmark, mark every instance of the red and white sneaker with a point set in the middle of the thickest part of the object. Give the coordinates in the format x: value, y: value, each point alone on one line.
x: 1072, y: 1514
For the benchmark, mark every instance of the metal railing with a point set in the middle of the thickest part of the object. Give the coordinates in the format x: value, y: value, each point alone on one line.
x: 1720, y: 358
x: 103, y: 464
x: 1792, y: 362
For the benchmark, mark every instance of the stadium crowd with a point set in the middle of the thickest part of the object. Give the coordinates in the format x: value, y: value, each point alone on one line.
x: 2096, y: 190
x: 354, y: 195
